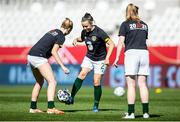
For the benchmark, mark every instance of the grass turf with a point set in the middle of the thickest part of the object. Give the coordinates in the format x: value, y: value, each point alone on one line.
x: 15, y: 102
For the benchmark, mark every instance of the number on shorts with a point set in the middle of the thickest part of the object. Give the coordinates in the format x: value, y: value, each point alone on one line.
x: 102, y: 67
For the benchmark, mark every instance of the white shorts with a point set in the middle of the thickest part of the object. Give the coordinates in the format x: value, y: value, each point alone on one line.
x: 99, y: 66
x: 136, y: 62
x: 36, y: 61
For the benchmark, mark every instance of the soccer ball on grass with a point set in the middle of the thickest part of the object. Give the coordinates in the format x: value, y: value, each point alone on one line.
x: 119, y: 91
x: 63, y: 95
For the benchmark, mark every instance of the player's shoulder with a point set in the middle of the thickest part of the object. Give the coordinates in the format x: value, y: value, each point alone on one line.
x: 58, y: 31
x: 55, y: 32
x: 125, y: 23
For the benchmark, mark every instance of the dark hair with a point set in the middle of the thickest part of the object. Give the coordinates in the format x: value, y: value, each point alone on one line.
x: 87, y: 17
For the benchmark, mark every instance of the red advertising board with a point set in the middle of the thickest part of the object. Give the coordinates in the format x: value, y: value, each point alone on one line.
x: 164, y: 64
x: 75, y: 55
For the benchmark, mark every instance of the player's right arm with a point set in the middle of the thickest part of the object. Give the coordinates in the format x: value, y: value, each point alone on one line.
x: 55, y: 54
x: 77, y: 40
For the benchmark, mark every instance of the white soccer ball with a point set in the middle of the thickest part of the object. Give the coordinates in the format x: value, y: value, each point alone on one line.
x: 63, y: 95
x: 119, y: 91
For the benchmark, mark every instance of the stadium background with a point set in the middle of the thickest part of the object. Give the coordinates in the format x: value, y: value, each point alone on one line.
x: 23, y: 22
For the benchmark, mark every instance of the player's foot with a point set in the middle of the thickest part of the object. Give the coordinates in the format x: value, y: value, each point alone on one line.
x: 145, y: 115
x: 35, y: 110
x: 54, y: 111
x: 95, y: 109
x: 70, y: 101
x: 129, y: 116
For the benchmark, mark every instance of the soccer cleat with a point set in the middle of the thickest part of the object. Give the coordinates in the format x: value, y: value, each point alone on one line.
x: 95, y: 109
x: 35, y: 111
x: 54, y: 111
x: 145, y: 115
x: 69, y: 101
x: 127, y: 116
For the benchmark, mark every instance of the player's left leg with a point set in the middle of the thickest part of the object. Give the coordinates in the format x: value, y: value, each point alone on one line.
x: 97, y: 91
x: 131, y: 95
x: 99, y: 69
x: 36, y: 90
x: 144, y: 94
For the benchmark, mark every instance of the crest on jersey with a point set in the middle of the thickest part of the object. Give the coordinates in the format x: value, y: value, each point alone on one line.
x: 94, y: 38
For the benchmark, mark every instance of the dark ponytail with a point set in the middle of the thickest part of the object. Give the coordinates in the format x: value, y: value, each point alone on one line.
x: 87, y: 17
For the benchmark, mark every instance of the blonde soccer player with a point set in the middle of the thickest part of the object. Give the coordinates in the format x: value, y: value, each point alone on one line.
x: 38, y: 57
x: 134, y: 33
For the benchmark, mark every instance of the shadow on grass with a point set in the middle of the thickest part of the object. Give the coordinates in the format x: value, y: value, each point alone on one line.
x: 151, y: 116
x: 91, y: 110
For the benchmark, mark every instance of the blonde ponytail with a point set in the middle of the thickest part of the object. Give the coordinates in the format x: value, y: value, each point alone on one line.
x: 132, y: 12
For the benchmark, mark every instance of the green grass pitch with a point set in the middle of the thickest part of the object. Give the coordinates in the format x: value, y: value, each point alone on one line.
x: 15, y: 102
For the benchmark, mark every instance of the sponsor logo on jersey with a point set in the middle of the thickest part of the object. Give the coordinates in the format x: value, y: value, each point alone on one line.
x: 53, y: 33
x: 135, y: 26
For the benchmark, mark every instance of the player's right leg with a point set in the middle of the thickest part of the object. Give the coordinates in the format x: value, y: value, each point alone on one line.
x: 36, y: 90
x: 143, y: 72
x: 86, y: 67
x: 46, y: 71
x: 144, y: 94
x: 77, y: 84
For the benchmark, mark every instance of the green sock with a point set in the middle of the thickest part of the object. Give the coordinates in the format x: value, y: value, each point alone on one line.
x: 130, y: 108
x: 145, y: 107
x: 76, y: 86
x: 51, y: 104
x: 33, y: 104
x: 97, y: 95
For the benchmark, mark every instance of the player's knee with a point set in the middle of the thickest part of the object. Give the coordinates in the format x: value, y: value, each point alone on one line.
x: 142, y: 84
x: 52, y: 83
x: 131, y: 84
x: 82, y: 75
x: 96, y: 83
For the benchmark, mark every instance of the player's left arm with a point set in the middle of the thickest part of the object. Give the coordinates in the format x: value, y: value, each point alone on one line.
x: 111, y: 45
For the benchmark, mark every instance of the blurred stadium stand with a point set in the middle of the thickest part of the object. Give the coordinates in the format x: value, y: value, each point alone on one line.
x: 23, y: 22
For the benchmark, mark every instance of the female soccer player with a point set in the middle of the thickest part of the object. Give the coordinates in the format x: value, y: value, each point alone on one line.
x: 97, y: 57
x: 134, y: 32
x: 38, y: 56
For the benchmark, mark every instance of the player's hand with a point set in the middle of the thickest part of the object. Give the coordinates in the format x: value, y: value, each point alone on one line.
x: 115, y: 63
x: 75, y: 42
x: 66, y: 70
x: 106, y: 62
